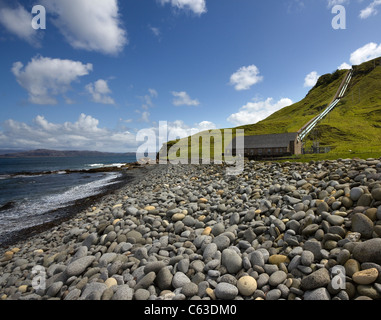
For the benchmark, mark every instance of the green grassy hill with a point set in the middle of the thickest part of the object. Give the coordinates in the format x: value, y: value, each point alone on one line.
x: 353, y: 128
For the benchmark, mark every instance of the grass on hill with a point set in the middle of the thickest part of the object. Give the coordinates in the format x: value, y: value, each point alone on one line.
x: 352, y: 129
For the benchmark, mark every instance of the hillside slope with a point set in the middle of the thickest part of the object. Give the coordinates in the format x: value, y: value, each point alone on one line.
x: 353, y: 126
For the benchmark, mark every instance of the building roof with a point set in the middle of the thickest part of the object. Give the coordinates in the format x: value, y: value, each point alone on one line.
x: 281, y: 140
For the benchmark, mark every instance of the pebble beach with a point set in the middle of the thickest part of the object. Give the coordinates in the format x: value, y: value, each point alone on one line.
x: 290, y: 231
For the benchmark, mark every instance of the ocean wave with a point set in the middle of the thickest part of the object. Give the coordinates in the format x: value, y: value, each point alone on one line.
x: 93, y: 165
x: 102, y: 165
x: 30, y: 212
x: 28, y: 176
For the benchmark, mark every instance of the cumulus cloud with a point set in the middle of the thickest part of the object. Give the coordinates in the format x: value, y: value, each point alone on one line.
x: 198, y: 7
x: 368, y: 52
x: 183, y: 99
x: 370, y: 10
x: 245, y: 77
x: 44, y: 78
x: 311, y: 79
x: 100, y: 91
x: 92, y: 25
x: 18, y: 22
x: 254, y: 112
x: 84, y: 134
x: 344, y: 66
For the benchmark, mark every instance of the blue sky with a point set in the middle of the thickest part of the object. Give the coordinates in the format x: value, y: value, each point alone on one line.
x: 103, y: 70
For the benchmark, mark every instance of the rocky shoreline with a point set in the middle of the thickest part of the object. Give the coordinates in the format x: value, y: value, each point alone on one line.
x: 293, y: 231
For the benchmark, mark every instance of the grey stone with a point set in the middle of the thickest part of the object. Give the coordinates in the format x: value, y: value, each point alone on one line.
x: 356, y: 193
x: 257, y: 259
x: 307, y: 258
x: 164, y: 278
x: 78, y: 266
x: 142, y: 294
x: 73, y: 294
x: 183, y: 265
x: 335, y: 220
x: 123, y: 292
x: 209, y: 251
x: 368, y: 291
x: 368, y: 251
x: 295, y: 261
x: 317, y: 294
x: 277, y: 278
x: 131, y: 211
x: 54, y: 289
x: 107, y: 258
x: 90, y: 240
x: 179, y: 279
x: 376, y: 194
x: 273, y: 294
x: 362, y: 224
x: 322, y: 206
x: 315, y: 247
x: 231, y: 260
x: 262, y: 280
x: 154, y: 266
x: 189, y: 289
x: 317, y: 279
x: 234, y: 218
x: 226, y: 291
x: 146, y: 281
x: 222, y: 242
x: 218, y: 228
x: 93, y: 291
x: 365, y: 200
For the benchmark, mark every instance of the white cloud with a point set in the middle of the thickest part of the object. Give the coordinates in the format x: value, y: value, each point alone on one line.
x: 245, y: 77
x: 155, y: 31
x: 370, y: 10
x: 18, y: 21
x: 196, y: 6
x: 254, y: 112
x: 84, y: 134
x: 152, y: 93
x: 344, y: 66
x: 205, y: 125
x: 311, y: 79
x: 100, y: 91
x: 183, y: 99
x: 93, y: 25
x: 45, y: 78
x: 145, y: 116
x: 366, y: 53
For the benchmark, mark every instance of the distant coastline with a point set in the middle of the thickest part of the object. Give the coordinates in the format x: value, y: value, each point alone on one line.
x: 46, y: 153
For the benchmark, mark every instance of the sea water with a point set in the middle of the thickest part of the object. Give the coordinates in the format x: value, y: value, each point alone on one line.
x: 32, y: 189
